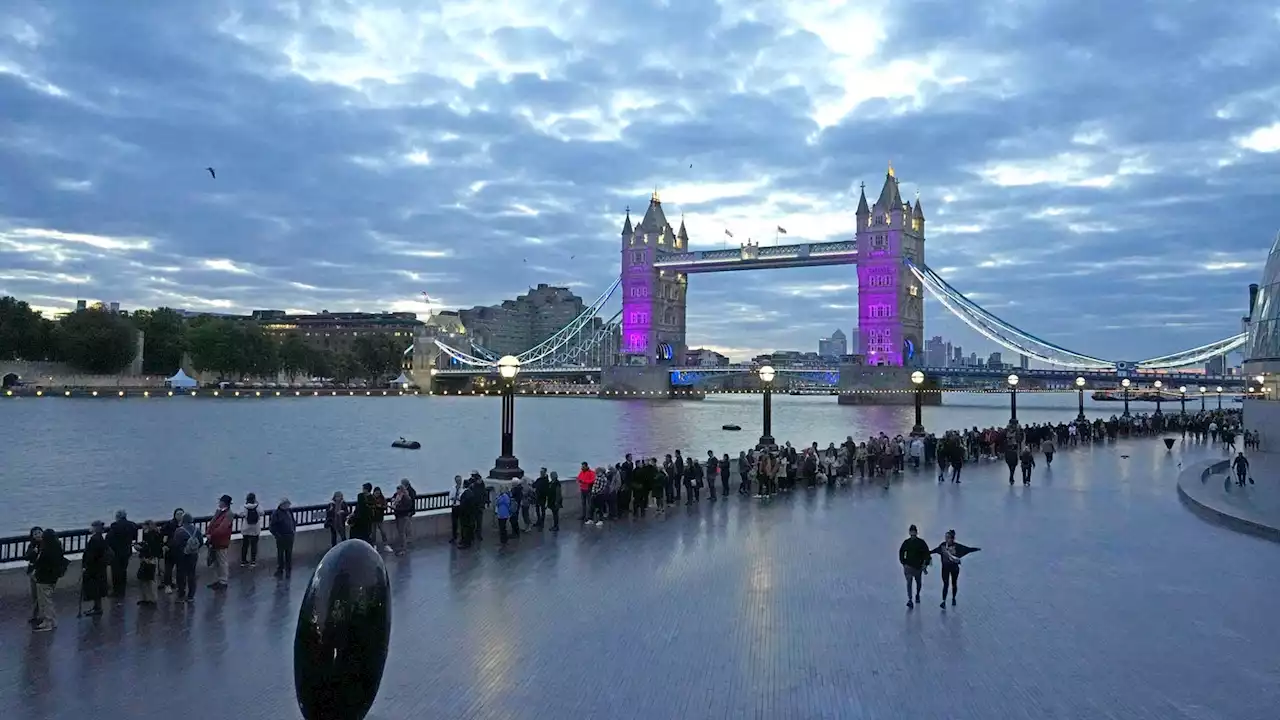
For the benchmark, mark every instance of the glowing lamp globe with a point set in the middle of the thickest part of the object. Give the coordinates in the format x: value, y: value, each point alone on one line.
x: 508, y: 366
x: 1157, y: 384
x: 1219, y: 388
x: 1125, y: 383
x: 1079, y: 382
x: 1183, y: 389
x: 917, y: 377
x: 767, y: 373
x: 1013, y: 381
x: 1203, y: 389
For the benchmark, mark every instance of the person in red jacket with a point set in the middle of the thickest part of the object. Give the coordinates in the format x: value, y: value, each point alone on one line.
x: 219, y: 534
x: 586, y: 478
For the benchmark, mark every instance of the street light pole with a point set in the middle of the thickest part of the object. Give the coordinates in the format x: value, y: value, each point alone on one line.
x: 917, y: 379
x: 507, y: 467
x: 1202, y: 391
x: 1125, y: 384
x: 1219, y: 397
x: 1182, y: 392
x: 1080, y: 393
x: 1159, y: 394
x: 1013, y: 400
x: 767, y: 374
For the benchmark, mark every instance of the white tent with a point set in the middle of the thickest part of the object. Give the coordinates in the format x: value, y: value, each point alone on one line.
x: 181, y: 379
x: 401, y: 381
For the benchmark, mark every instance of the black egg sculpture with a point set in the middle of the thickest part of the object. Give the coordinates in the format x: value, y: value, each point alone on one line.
x: 344, y: 630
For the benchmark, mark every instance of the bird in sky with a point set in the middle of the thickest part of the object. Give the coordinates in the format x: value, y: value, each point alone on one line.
x: 212, y: 174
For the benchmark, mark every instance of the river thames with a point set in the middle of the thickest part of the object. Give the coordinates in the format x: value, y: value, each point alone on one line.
x: 69, y: 461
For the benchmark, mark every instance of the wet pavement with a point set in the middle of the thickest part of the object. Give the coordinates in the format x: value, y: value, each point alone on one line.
x: 1254, y: 508
x: 1095, y: 595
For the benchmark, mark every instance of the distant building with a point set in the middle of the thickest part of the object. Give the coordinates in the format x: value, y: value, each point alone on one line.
x: 1216, y: 366
x: 337, y: 331
x: 515, y: 326
x: 995, y: 360
x: 936, y: 352
x: 1024, y: 362
x: 834, y: 346
x: 702, y: 357
x: 82, y: 305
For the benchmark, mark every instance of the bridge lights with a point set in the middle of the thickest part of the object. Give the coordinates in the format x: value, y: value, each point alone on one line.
x: 767, y: 374
x: 1013, y: 400
x: 507, y: 467
x: 1125, y: 384
x: 1219, y: 397
x: 917, y: 379
x: 1080, y: 396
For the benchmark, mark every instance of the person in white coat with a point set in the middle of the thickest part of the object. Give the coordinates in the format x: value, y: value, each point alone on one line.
x: 250, y: 530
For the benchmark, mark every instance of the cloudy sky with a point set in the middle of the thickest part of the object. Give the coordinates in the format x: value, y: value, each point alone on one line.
x: 1103, y: 177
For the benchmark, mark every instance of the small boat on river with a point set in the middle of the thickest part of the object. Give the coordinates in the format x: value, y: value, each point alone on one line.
x: 730, y: 426
x: 407, y: 444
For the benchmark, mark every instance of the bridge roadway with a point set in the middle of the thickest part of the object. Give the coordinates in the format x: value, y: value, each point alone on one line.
x: 1096, y: 595
x: 1170, y: 380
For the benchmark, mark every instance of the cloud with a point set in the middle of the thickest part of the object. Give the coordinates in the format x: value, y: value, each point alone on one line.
x: 1104, y: 179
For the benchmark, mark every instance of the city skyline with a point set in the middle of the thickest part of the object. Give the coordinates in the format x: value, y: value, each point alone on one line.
x: 356, y: 171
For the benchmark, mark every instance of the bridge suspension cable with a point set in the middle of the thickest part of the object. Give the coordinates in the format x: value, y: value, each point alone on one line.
x: 566, y: 334
x: 999, y: 331
x: 1195, y: 355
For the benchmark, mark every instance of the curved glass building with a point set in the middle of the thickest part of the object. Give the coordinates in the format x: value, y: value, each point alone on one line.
x: 1264, y: 330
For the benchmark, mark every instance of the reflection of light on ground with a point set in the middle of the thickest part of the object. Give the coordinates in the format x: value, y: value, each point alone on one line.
x: 491, y: 648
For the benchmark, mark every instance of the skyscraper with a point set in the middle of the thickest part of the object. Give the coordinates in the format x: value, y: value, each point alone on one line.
x: 834, y: 346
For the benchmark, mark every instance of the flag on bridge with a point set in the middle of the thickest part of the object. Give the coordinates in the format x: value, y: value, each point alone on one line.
x: 782, y: 230
x: 726, y: 232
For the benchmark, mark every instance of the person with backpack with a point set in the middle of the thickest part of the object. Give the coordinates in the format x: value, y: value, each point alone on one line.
x: 404, y: 506
x: 48, y: 566
x: 283, y: 528
x: 185, y: 546
x: 220, y: 529
x: 250, y: 531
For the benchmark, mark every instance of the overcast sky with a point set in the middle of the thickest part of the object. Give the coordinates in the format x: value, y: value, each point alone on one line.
x: 1103, y: 175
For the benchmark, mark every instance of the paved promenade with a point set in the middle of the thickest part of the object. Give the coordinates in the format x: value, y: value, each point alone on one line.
x: 1253, y: 509
x: 1096, y: 595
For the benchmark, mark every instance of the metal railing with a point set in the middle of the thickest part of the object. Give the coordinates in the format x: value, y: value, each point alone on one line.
x: 13, y: 549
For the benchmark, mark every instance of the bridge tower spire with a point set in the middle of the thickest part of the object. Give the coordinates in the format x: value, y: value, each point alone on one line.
x: 653, y: 301
x: 890, y: 299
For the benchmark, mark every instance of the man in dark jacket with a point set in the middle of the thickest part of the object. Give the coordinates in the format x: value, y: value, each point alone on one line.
x: 541, y: 487
x: 283, y: 528
x: 915, y: 558
x: 120, y: 538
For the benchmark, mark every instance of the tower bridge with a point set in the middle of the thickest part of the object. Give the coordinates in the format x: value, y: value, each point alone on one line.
x: 888, y: 251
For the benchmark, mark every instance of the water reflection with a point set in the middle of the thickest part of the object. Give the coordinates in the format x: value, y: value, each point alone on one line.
x: 139, y: 454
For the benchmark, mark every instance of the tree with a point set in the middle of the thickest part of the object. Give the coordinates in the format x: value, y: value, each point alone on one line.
x: 24, y: 333
x: 164, y: 339
x: 345, y: 367
x: 232, y: 349
x: 378, y: 355
x: 293, y: 355
x: 97, y: 341
x: 319, y: 363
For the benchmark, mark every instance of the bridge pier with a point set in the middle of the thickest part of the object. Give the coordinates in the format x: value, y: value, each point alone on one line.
x: 883, y: 385
x: 623, y: 381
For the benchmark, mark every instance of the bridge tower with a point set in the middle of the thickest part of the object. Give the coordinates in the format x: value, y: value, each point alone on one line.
x: 653, y: 300
x: 890, y: 299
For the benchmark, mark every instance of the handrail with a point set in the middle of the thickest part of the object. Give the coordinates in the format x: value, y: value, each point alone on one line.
x: 14, y: 549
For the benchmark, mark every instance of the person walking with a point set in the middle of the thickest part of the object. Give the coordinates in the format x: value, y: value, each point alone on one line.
x: 541, y: 496
x: 915, y: 558
x: 951, y: 552
x: 1241, y: 466
x: 1011, y: 458
x: 1028, y: 460
x: 1048, y: 448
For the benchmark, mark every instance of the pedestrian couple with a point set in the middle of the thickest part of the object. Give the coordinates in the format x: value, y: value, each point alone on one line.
x: 915, y: 556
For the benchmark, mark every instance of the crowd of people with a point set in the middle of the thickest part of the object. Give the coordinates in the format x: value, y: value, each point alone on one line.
x: 168, y: 552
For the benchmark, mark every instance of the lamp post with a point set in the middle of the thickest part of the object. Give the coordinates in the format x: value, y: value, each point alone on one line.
x: 767, y: 374
x: 1182, y: 395
x: 507, y: 467
x: 1125, y: 384
x: 1013, y: 400
x: 1219, y: 397
x: 1159, y: 395
x: 1202, y: 392
x: 917, y: 379
x: 1080, y: 397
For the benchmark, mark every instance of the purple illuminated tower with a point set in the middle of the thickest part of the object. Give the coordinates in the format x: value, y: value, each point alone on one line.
x: 890, y: 299
x: 653, y: 301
